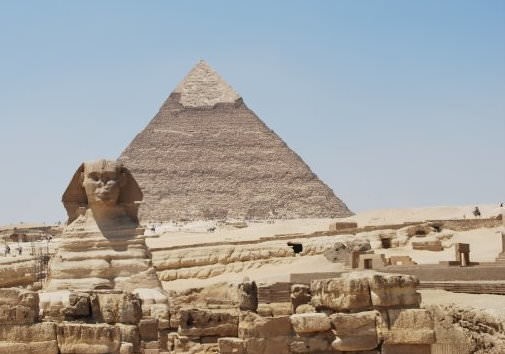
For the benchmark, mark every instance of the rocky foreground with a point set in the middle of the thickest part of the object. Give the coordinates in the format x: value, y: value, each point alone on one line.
x: 363, y: 311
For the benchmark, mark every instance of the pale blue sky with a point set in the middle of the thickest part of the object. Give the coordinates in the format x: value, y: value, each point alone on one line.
x: 391, y: 103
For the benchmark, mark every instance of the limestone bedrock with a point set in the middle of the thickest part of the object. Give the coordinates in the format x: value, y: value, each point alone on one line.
x: 102, y: 246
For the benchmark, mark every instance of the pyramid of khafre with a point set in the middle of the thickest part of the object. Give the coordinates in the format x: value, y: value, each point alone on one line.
x: 205, y: 155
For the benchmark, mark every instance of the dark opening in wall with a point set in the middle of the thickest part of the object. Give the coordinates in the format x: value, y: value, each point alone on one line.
x: 386, y: 243
x: 297, y: 247
x: 367, y: 264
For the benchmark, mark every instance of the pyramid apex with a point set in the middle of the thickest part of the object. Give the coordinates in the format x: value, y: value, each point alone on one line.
x: 203, y: 86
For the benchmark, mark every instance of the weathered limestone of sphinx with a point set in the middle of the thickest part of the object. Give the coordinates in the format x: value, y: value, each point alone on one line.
x: 102, y: 246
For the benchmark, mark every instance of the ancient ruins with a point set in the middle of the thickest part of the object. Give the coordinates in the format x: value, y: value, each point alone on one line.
x: 209, y: 235
x: 206, y: 155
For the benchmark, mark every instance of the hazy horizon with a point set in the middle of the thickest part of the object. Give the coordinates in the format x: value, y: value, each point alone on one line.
x: 392, y: 104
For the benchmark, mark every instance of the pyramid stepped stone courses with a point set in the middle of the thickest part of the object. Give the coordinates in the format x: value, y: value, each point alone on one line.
x: 206, y: 155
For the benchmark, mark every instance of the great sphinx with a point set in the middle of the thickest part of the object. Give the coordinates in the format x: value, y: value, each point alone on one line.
x: 102, y: 245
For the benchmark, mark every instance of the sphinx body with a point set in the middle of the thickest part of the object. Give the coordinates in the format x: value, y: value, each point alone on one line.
x: 102, y: 246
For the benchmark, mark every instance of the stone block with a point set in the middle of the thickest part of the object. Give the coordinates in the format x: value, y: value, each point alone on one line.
x: 231, y: 345
x: 348, y: 293
x: 38, y: 332
x: 409, y: 326
x: 130, y: 334
x: 160, y: 312
x: 64, y: 305
x: 79, y: 338
x: 271, y: 345
x: 18, y: 306
x: 318, y: 343
x: 275, y: 309
x: 78, y: 306
x: 310, y: 322
x: 393, y: 290
x: 202, y: 322
x: 163, y: 324
x: 343, y: 225
x: 126, y: 348
x: 355, y: 331
x: 305, y: 308
x: 255, y: 326
x: 116, y: 308
x: 39, y: 338
x: 148, y: 329
x: 45, y: 347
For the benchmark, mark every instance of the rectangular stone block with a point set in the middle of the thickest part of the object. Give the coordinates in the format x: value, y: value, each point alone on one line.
x: 45, y: 347
x: 337, y: 226
x: 252, y: 325
x: 271, y: 345
x: 202, y: 323
x: 39, y: 338
x: 116, y: 308
x: 409, y: 326
x: 355, y: 331
x: 310, y: 322
x: 126, y: 348
x: 148, y: 329
x: 318, y: 343
x: 393, y: 290
x: 231, y: 346
x: 39, y: 332
x: 349, y: 292
x: 80, y: 338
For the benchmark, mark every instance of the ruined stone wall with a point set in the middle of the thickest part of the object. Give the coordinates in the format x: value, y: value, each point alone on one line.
x: 468, y: 330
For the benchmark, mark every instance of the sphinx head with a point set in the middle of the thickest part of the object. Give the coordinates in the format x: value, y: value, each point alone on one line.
x: 102, y: 181
x: 102, y: 184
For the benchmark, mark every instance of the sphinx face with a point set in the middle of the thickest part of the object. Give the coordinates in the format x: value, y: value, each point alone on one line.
x: 101, y: 182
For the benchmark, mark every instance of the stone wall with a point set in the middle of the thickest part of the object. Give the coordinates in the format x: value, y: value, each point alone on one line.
x: 467, y: 330
x: 363, y: 312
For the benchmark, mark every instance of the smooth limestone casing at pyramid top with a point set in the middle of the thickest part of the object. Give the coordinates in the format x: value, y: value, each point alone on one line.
x: 206, y: 155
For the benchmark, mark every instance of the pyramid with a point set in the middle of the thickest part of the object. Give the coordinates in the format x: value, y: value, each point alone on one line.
x: 206, y: 155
